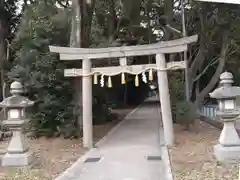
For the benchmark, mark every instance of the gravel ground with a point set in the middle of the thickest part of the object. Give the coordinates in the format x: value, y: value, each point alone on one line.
x: 53, y: 156
x: 192, y: 158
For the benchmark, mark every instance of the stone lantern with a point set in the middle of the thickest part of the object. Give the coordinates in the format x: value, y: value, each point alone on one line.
x: 18, y: 153
x: 228, y: 149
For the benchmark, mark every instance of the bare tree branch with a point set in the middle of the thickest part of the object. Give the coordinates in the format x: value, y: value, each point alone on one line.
x: 215, y: 77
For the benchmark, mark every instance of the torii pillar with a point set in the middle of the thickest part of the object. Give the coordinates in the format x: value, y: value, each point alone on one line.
x: 165, y: 100
x: 87, y: 104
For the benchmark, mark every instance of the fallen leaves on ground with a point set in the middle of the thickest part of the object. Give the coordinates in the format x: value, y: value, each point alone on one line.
x: 192, y: 157
x: 53, y: 156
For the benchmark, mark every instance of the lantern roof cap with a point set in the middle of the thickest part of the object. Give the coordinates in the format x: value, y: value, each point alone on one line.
x: 16, y: 100
x: 226, y: 78
x: 226, y: 75
x: 225, y: 92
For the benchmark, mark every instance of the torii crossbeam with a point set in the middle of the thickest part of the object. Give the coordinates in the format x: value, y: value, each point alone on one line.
x: 161, y: 66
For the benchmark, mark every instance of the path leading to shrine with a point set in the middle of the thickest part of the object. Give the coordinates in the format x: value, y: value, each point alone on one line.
x: 131, y: 151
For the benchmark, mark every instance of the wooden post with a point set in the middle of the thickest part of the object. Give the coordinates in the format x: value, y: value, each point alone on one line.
x: 165, y: 100
x: 87, y: 104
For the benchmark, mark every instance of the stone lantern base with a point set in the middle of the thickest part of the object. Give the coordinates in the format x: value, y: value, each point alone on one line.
x: 227, y: 154
x: 17, y: 160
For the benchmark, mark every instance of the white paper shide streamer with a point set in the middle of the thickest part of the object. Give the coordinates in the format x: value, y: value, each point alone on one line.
x: 144, y: 77
x: 102, y: 81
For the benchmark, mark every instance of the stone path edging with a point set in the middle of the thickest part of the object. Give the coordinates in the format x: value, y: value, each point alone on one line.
x: 167, y: 163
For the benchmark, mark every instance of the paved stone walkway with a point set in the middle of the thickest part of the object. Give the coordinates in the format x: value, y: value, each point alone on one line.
x: 124, y: 152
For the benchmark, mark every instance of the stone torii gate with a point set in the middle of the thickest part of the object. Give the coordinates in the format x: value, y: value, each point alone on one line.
x: 161, y: 66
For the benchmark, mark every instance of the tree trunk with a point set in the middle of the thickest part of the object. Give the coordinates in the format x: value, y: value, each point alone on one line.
x: 2, y: 57
x: 219, y: 70
x: 168, y: 11
x: 112, y: 21
x: 2, y: 52
x: 80, y: 37
x: 168, y: 8
x: 131, y: 11
x: 75, y: 41
x: 75, y: 38
x: 81, y: 22
x: 86, y: 9
x: 196, y: 64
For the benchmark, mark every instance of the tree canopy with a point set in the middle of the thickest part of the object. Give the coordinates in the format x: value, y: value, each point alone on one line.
x: 25, y: 36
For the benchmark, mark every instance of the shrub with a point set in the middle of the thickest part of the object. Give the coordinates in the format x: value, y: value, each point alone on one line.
x: 176, y: 89
x: 41, y: 72
x: 186, y: 113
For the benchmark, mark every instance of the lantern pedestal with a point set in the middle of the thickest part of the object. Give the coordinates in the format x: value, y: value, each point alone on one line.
x: 229, y: 136
x: 18, y: 153
x: 227, y: 154
x: 17, y: 160
x: 228, y: 149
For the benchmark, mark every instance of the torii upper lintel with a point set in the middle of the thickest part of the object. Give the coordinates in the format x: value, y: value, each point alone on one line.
x: 165, y: 47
